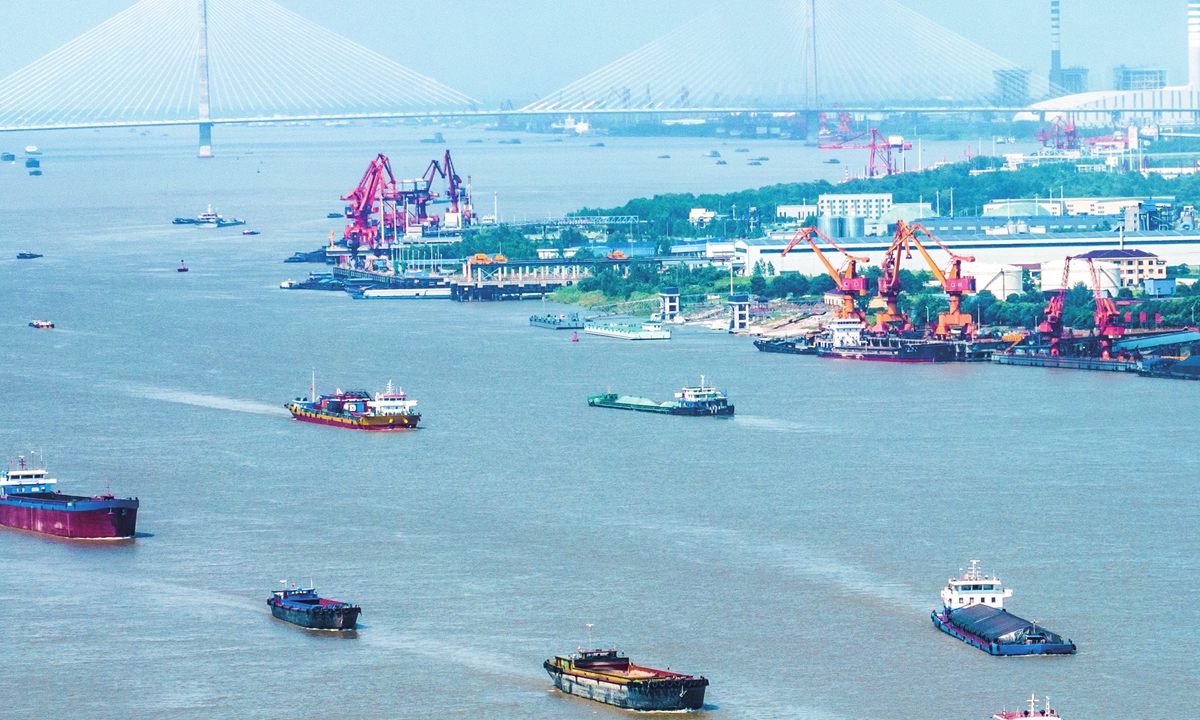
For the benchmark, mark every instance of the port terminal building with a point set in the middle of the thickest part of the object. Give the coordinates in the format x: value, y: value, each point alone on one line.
x: 1128, y: 258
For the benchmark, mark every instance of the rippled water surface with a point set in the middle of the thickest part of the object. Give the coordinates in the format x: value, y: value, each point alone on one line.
x: 792, y: 555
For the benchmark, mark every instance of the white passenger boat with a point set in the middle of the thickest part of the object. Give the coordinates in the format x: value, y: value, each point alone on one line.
x: 404, y: 293
x: 628, y: 331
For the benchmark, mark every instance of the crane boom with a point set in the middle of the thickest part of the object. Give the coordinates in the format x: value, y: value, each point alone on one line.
x: 954, y: 322
x: 847, y: 280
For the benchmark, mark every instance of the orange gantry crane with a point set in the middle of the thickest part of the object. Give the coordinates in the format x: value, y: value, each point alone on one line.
x: 849, y: 283
x: 954, y: 323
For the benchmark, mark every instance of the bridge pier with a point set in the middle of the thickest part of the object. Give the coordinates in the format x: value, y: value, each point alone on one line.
x: 205, y: 140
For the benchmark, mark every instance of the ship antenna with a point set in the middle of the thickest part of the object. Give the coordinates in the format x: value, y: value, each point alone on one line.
x: 591, y: 643
x: 312, y: 389
x: 1032, y: 703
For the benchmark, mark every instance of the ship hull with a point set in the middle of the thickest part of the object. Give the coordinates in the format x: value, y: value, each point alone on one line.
x: 942, y: 623
x: 71, y: 517
x: 787, y: 347
x: 374, y: 422
x: 339, y: 618
x: 652, y: 696
x: 916, y: 353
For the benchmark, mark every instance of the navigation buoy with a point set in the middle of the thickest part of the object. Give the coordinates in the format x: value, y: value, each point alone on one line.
x: 182, y: 267
x: 574, y: 337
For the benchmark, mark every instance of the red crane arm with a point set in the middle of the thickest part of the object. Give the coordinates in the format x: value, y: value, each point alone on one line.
x: 839, y: 277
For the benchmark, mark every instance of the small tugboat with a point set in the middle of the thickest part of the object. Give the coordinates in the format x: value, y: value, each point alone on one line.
x: 7, y: 157
x: 41, y: 324
x: 1046, y: 713
x: 28, y: 256
x: 354, y: 409
x: 973, y: 611
x: 694, y: 401
x: 628, y: 331
x: 608, y: 677
x: 557, y: 322
x: 28, y: 502
x: 251, y: 232
x: 331, y: 216
x: 305, y: 608
x: 182, y: 267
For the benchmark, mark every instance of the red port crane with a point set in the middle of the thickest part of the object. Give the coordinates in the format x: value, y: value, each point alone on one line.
x: 892, y: 319
x: 1106, y: 316
x: 376, y: 184
x: 1051, y: 329
x: 1061, y: 135
x: 881, y: 163
x: 953, y: 323
x: 849, y: 283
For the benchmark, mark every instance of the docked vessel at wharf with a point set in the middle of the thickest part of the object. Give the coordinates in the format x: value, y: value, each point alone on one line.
x: 1046, y: 713
x: 29, y: 502
x: 848, y: 340
x: 209, y: 219
x: 315, y: 281
x: 437, y: 292
x: 303, y: 607
x: 789, y: 346
x: 973, y: 611
x: 609, y: 677
x: 627, y: 331
x: 557, y: 322
x: 355, y: 409
x: 694, y: 401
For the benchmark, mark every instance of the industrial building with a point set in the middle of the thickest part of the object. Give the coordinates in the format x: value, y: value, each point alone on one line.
x: 1135, y: 266
x: 1139, y: 95
x: 1155, y: 250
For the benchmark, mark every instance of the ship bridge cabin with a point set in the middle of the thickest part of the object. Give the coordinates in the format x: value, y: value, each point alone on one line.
x: 25, y: 480
x: 974, y: 588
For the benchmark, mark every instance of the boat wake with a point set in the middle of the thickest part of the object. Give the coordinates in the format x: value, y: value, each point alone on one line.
x: 772, y: 424
x: 214, y: 402
x: 455, y: 652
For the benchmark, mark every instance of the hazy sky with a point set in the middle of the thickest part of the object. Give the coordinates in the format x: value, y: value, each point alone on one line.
x: 519, y: 48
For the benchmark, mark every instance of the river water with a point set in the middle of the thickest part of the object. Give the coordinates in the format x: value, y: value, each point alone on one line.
x: 792, y: 555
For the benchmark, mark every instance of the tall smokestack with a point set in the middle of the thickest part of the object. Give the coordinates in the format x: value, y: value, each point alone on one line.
x: 1194, y: 45
x: 1055, y: 51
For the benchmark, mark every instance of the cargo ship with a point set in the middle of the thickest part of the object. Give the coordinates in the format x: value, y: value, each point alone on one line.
x: 628, y: 331
x: 973, y: 611
x: 28, y: 501
x: 1046, y: 713
x: 848, y: 341
x: 303, y: 607
x: 695, y: 401
x: 357, y: 410
x: 608, y: 677
x: 557, y: 322
x: 28, y: 255
x: 790, y: 346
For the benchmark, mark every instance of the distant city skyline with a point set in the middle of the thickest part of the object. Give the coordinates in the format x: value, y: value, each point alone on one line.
x: 521, y: 51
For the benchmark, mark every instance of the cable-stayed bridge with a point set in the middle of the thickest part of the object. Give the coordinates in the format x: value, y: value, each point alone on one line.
x: 802, y: 54
x: 206, y: 62
x: 188, y: 62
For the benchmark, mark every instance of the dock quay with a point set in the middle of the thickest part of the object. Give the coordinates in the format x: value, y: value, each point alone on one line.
x: 512, y: 282
x: 1066, y: 363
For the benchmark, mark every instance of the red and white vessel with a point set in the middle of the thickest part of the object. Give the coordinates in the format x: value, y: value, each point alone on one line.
x: 1032, y: 712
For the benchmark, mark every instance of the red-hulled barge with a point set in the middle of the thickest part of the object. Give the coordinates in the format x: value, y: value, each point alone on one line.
x: 29, y: 502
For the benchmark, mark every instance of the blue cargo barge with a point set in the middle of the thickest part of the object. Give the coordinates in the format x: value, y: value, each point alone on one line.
x: 303, y: 607
x: 973, y: 611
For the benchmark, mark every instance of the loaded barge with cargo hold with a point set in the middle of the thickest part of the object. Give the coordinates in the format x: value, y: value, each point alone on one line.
x: 973, y: 611
x: 695, y: 401
x: 609, y: 677
x: 557, y: 322
x: 305, y: 608
x: 357, y: 410
x: 28, y: 502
